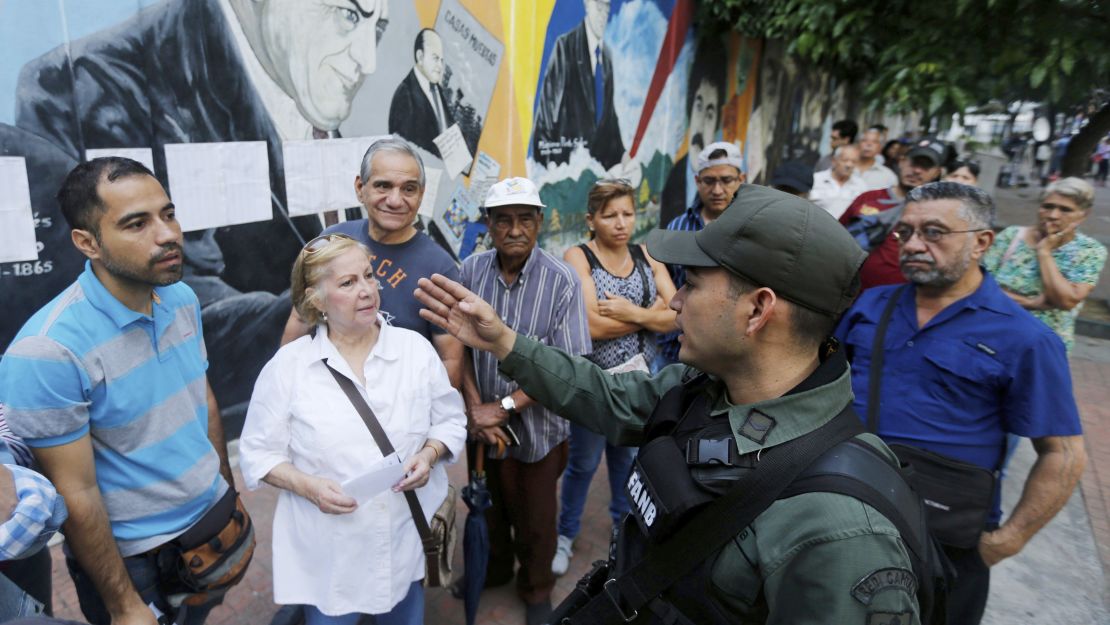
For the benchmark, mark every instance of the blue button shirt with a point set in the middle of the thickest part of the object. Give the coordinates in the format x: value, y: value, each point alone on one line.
x: 981, y: 368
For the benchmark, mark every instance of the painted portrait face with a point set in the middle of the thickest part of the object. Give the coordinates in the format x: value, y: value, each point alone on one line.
x: 321, y: 50
x: 430, y: 59
x: 597, y: 16
x: 705, y: 116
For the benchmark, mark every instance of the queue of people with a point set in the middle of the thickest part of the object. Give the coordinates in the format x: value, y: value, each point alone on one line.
x: 735, y: 338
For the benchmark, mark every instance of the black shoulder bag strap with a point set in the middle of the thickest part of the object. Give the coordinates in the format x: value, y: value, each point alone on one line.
x: 380, y: 437
x: 875, y: 375
x: 622, y: 598
x: 640, y: 265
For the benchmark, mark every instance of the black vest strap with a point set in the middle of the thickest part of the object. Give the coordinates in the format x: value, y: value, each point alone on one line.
x: 622, y: 598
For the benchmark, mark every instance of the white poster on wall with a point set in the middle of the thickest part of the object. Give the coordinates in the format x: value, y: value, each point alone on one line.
x: 219, y: 184
x: 17, y: 222
x: 320, y: 174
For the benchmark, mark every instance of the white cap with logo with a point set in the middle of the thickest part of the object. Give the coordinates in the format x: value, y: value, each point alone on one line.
x: 512, y: 192
x: 732, y: 156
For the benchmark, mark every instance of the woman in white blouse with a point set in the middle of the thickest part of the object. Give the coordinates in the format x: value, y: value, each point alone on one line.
x: 339, y: 557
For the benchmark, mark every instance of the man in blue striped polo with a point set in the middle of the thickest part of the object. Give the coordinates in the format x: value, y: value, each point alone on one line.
x: 538, y: 296
x: 721, y: 171
x: 107, y: 385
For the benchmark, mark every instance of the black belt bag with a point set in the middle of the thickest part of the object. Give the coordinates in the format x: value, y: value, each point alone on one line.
x: 958, y: 496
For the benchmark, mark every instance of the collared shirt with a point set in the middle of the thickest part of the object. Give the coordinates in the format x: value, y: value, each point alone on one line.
x: 801, y: 557
x: 831, y: 195
x: 437, y: 104
x: 878, y: 176
x: 544, y: 303
x: 135, y: 383
x: 689, y: 221
x: 283, y: 110
x: 592, y: 42
x: 38, y: 515
x: 363, y: 561
x: 982, y: 368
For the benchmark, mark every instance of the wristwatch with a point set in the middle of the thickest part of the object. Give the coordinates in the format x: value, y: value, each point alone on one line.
x: 508, y: 405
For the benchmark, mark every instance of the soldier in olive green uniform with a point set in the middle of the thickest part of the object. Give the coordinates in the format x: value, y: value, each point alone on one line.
x: 766, y: 284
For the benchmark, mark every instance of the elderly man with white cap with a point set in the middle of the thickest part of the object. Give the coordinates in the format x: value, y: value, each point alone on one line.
x: 540, y: 297
x: 721, y: 171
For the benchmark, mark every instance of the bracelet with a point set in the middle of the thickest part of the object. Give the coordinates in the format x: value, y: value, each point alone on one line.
x: 434, y: 450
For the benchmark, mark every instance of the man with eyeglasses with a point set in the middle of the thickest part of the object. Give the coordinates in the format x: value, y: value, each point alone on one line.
x: 391, y: 187
x: 921, y: 165
x: 540, y: 297
x: 963, y: 365
x: 721, y: 171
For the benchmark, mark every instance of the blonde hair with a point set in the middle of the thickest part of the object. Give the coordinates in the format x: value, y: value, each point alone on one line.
x: 309, y: 269
x: 1075, y: 189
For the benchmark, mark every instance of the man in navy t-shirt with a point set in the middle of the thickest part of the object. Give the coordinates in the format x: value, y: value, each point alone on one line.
x: 963, y: 366
x: 391, y: 186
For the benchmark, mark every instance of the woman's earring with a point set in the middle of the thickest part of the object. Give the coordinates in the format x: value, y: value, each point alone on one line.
x: 324, y: 316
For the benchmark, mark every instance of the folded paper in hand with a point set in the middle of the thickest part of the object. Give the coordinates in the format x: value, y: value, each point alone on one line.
x: 375, y: 481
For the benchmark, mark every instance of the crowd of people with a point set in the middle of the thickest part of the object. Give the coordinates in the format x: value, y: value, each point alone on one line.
x: 759, y: 329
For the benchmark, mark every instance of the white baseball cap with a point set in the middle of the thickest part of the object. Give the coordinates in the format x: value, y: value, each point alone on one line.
x: 732, y: 156
x: 511, y: 192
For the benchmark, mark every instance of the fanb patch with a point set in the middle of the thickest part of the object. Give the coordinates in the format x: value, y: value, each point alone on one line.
x: 757, y: 427
x: 889, y: 618
x: 873, y: 583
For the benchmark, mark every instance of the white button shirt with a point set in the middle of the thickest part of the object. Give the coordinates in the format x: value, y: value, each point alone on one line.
x: 364, y: 561
x: 833, y: 196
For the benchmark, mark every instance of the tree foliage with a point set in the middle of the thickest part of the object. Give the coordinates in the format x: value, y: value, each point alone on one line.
x: 939, y: 56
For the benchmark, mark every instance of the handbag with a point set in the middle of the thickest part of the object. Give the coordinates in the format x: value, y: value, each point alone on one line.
x: 438, y: 537
x: 210, y: 557
x: 958, y: 495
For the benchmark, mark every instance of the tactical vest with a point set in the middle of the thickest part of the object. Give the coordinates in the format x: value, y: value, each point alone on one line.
x: 690, y: 458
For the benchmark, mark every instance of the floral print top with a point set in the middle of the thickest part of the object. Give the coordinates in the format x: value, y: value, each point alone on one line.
x: 1080, y: 261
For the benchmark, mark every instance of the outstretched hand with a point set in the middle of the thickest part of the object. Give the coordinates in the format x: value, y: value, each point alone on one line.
x: 464, y: 315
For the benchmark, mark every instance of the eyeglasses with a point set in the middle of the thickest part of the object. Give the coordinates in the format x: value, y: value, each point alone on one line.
x: 725, y: 181
x: 930, y: 234
x: 321, y: 242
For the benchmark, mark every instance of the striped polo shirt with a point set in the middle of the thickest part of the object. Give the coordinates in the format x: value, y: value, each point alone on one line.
x: 689, y: 221
x: 135, y: 383
x: 543, y: 303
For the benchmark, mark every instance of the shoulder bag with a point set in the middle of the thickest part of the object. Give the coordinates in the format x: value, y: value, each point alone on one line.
x: 440, y: 536
x: 958, y: 495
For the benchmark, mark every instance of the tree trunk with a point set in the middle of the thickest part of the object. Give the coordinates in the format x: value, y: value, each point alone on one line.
x: 1077, y: 159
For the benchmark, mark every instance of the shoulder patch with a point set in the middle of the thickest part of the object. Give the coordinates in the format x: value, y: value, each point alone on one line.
x: 757, y: 427
x: 876, y: 581
x: 889, y: 618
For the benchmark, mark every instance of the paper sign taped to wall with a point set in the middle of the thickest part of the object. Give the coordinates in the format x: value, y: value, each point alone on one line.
x: 17, y: 222
x: 483, y: 176
x: 320, y: 174
x: 431, y: 191
x: 219, y: 184
x: 452, y: 148
x: 143, y: 155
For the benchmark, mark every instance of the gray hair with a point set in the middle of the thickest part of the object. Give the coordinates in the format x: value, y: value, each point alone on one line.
x: 976, y: 205
x: 395, y: 144
x: 1075, y: 189
x: 848, y: 146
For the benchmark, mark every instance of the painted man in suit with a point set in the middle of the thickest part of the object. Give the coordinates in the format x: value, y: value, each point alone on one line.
x: 420, y: 110
x: 208, y: 71
x: 576, y: 100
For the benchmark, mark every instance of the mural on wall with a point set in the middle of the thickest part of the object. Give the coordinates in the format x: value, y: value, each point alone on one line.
x: 564, y: 91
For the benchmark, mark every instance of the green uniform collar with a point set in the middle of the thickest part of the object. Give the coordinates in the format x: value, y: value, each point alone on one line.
x: 811, y: 404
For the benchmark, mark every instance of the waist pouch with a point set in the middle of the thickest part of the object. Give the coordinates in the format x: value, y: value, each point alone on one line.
x: 661, y: 491
x: 210, y: 557
x: 958, y: 496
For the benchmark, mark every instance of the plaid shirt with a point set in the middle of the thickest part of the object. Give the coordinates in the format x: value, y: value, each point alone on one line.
x: 689, y: 221
x: 38, y: 514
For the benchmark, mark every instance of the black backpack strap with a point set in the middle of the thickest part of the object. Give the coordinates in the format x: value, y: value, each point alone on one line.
x: 622, y: 598
x: 875, y: 374
x: 856, y: 469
